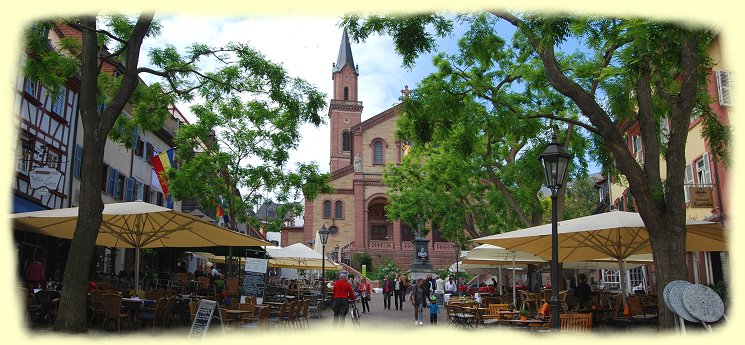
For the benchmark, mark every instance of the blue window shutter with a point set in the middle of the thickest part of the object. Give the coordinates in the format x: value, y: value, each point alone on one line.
x: 111, y: 187
x: 129, y: 191
x: 78, y: 160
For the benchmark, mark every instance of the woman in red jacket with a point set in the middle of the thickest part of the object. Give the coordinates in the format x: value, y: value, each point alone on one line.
x: 365, y: 290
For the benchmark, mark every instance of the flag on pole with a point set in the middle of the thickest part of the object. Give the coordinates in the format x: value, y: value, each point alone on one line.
x: 161, y: 163
x: 219, y: 213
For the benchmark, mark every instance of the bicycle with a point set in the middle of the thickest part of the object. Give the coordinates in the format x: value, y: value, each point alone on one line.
x: 354, y: 312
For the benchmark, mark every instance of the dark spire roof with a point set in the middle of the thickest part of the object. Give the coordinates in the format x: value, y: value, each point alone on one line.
x: 345, y: 54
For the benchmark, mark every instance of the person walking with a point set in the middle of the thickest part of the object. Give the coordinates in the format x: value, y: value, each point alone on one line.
x: 404, y: 290
x: 342, y: 293
x: 417, y: 299
x: 398, y: 289
x: 434, y: 310
x: 365, y: 290
x: 450, y: 286
x: 387, y: 292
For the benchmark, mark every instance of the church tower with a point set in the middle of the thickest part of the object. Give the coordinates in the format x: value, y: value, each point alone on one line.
x: 345, y: 110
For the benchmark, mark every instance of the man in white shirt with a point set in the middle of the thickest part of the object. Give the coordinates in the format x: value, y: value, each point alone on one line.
x: 440, y: 285
x: 398, y: 290
x: 450, y: 286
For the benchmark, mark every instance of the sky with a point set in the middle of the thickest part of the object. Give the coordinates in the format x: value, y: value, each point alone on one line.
x: 306, y: 46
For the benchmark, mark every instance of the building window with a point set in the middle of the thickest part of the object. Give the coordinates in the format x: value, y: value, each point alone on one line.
x: 104, y: 177
x: 723, y: 88
x: 112, y: 180
x: 611, y: 279
x: 327, y: 209
x: 338, y: 209
x: 58, y: 103
x: 703, y: 172
x: 53, y: 158
x: 636, y: 278
x: 145, y: 193
x: 379, y: 232
x: 30, y: 87
x: 149, y: 152
x: 346, y: 93
x: 139, y: 147
x: 636, y: 146
x: 407, y: 234
x: 78, y: 167
x: 377, y: 152
x: 137, y: 190
x: 159, y: 199
x: 23, y: 155
x: 346, y: 141
x: 129, y: 189
x: 688, y: 182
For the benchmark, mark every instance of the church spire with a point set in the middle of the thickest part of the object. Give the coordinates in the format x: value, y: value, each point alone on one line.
x: 345, y: 54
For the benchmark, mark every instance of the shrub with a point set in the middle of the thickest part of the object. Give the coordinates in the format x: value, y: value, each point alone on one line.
x: 359, y: 259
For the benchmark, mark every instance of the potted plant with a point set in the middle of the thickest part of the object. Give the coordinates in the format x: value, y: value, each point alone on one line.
x: 524, y: 314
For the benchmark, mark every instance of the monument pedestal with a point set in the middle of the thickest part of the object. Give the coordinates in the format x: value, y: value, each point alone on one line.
x: 421, y: 266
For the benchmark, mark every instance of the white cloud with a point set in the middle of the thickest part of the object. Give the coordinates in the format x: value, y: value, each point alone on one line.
x: 306, y: 46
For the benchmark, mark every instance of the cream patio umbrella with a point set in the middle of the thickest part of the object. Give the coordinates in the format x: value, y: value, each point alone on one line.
x: 137, y: 225
x: 616, y: 235
x: 298, y: 256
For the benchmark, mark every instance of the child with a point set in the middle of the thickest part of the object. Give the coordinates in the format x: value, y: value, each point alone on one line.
x: 434, y: 309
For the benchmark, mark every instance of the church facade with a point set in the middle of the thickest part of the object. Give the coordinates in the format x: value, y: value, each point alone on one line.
x: 359, y: 150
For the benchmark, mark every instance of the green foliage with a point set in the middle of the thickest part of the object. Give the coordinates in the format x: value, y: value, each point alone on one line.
x: 363, y: 258
x: 721, y: 289
x: 331, y: 275
x: 387, y: 268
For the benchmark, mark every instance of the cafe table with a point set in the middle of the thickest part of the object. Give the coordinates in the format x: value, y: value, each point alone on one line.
x: 598, y: 314
x: 236, y: 314
x: 518, y: 323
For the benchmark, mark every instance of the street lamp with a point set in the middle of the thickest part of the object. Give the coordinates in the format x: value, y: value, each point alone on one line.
x: 324, y: 234
x: 555, y: 161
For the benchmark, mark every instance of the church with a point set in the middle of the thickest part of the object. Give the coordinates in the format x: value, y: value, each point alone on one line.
x: 355, y: 212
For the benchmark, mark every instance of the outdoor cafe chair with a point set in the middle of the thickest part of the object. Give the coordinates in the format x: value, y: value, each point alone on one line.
x: 276, y: 319
x: 575, y: 323
x: 97, y: 305
x: 193, y: 306
x: 303, y: 318
x: 153, y: 315
x: 259, y: 319
x: 636, y: 311
x: 113, y: 310
x: 153, y: 295
x: 248, y: 316
x: 314, y: 305
x: 288, y: 317
x: 617, y: 319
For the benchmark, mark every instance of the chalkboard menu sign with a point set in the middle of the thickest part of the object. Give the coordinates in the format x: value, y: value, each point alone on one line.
x: 254, y: 279
x: 205, y: 312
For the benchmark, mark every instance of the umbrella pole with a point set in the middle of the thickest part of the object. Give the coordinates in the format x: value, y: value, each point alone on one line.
x: 137, y: 268
x: 623, y: 281
x: 499, y: 272
x: 514, y: 281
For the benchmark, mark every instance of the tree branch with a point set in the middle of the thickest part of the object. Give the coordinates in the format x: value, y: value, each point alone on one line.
x: 563, y: 119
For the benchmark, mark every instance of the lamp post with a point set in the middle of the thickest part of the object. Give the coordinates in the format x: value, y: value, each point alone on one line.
x: 324, y: 234
x: 555, y: 161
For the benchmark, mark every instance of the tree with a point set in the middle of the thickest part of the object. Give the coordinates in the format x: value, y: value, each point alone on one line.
x: 111, y: 78
x: 624, y: 70
x: 238, y: 149
x: 474, y: 163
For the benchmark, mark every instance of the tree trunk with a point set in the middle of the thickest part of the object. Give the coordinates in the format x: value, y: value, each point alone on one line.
x: 72, y: 312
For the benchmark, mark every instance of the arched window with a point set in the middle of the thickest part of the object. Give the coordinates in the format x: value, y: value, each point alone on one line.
x: 346, y: 93
x: 378, y: 152
x: 346, y: 141
x: 338, y: 209
x: 327, y: 209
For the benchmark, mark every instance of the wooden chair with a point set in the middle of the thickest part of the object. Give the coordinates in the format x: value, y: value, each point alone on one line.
x: 193, y: 306
x: 260, y: 319
x: 616, y: 317
x: 289, y: 316
x: 113, y: 307
x: 167, y: 315
x: 153, y: 315
x: 182, y: 279
x: 575, y: 323
x: 276, y: 319
x: 563, y: 301
x: 97, y: 303
x: 304, y: 313
x: 246, y: 317
x: 636, y: 311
